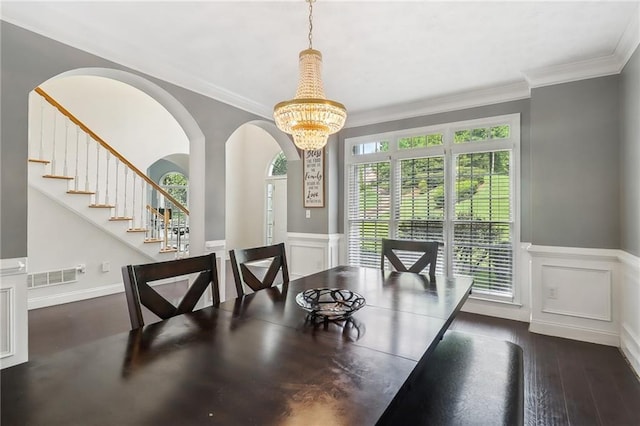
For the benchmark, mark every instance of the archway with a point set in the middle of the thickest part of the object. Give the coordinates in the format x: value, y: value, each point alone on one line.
x: 192, y: 131
x: 102, y: 258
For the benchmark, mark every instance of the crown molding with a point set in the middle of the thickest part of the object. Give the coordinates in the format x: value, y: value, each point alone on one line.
x: 592, y: 68
x: 157, y: 68
x: 458, y: 101
x: 575, y: 71
x: 630, y: 40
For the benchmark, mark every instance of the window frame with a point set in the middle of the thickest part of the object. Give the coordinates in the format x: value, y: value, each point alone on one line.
x: 450, y: 151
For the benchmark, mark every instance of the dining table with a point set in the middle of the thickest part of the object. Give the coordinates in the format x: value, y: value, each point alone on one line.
x: 258, y: 359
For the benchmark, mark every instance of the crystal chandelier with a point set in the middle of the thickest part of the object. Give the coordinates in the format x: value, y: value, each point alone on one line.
x: 310, y: 117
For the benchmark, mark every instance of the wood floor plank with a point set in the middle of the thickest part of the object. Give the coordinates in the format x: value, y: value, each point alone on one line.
x: 549, y: 393
x: 581, y: 409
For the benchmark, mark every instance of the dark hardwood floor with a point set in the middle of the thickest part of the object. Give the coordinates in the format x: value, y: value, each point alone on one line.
x: 566, y: 382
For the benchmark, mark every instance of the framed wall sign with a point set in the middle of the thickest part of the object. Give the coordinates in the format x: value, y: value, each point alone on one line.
x: 313, y: 177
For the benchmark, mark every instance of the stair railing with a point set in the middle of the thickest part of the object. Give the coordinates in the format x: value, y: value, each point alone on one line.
x: 73, y: 152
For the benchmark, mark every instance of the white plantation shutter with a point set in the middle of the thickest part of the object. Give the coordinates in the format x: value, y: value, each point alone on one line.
x: 453, y: 183
x: 419, y: 210
x: 483, y: 220
x: 369, y: 211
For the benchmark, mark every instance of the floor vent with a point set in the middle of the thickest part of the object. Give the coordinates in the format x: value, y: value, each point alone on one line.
x: 61, y: 276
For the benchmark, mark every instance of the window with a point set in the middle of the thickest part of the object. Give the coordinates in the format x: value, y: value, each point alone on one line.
x: 177, y: 185
x: 278, y: 166
x: 453, y: 183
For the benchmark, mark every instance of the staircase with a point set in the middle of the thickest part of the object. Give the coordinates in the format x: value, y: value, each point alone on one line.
x: 76, y: 168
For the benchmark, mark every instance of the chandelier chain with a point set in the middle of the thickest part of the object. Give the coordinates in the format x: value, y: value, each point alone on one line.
x: 310, y: 22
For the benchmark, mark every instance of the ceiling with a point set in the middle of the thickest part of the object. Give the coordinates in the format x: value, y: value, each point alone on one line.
x: 382, y: 60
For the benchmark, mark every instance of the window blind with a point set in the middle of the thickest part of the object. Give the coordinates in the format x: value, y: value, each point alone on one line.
x: 369, y: 211
x: 482, y: 228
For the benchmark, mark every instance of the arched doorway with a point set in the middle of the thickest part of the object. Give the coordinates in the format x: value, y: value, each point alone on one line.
x: 101, y: 261
x: 275, y: 214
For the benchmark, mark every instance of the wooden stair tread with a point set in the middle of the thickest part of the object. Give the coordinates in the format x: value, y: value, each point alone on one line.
x: 118, y: 218
x: 72, y: 191
x: 168, y: 250
x: 101, y: 206
x: 153, y: 240
x: 58, y: 177
x: 137, y: 230
x: 37, y: 160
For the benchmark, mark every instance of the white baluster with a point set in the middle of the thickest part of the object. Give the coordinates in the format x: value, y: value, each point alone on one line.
x: 77, y: 177
x: 97, y: 173
x: 65, y: 171
x: 126, y: 175
x: 106, y: 182
x: 53, y: 152
x: 117, y: 203
x: 41, y: 155
x: 133, y: 202
x: 86, y: 174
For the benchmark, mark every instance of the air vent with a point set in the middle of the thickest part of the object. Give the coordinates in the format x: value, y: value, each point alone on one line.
x: 43, y: 279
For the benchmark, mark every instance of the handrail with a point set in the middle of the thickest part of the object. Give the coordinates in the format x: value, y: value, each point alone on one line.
x: 109, y: 148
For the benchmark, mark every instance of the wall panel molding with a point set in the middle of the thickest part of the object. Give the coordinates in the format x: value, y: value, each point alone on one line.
x: 630, y: 309
x: 596, y: 283
x: 13, y: 312
x: 575, y: 293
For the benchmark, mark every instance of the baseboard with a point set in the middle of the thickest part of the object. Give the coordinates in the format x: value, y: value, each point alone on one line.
x: 74, y: 296
x: 575, y: 333
x: 630, y: 345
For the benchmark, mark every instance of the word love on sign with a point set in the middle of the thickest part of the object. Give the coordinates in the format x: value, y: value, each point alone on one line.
x: 313, y: 178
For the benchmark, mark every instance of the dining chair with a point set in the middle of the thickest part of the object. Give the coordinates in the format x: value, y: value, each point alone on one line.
x: 139, y: 293
x: 429, y: 250
x: 242, y: 274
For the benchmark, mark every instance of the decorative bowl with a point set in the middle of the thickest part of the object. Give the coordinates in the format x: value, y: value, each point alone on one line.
x: 330, y: 303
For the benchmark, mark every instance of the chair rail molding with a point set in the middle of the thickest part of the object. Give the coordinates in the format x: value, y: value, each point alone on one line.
x: 14, y: 334
x: 311, y: 253
x: 576, y: 293
x: 630, y: 309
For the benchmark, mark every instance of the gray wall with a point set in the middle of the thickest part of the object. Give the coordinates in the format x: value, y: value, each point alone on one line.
x: 323, y: 220
x: 569, y: 160
x: 27, y: 60
x: 630, y: 156
x: 521, y: 107
x: 574, y: 164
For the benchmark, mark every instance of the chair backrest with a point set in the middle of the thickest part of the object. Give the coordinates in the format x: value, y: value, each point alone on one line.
x: 429, y: 256
x: 139, y: 292
x: 242, y: 273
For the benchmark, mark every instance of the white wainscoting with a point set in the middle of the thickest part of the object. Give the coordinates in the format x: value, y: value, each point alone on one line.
x: 630, y: 309
x: 219, y: 248
x: 14, y: 334
x: 575, y: 293
x: 311, y: 253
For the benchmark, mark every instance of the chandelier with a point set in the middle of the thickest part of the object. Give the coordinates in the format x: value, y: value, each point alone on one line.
x: 310, y: 117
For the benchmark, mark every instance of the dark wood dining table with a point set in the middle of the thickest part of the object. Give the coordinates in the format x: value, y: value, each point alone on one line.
x: 254, y: 360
